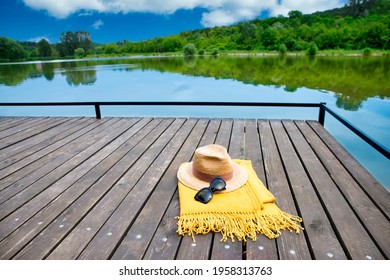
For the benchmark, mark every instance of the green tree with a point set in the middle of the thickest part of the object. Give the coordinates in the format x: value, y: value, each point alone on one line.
x: 376, y: 35
x: 247, y: 32
x: 271, y: 37
x: 9, y: 49
x: 79, y: 52
x: 44, y: 48
x: 189, y: 49
x: 71, y: 41
x: 313, y: 49
x: 214, y: 51
x: 294, y: 14
x: 111, y: 48
x: 282, y: 49
x: 172, y: 44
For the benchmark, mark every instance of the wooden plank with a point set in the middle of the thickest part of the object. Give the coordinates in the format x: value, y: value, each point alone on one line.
x: 20, y: 128
x: 16, y: 182
x: 36, y: 168
x: 204, y: 244
x: 373, y: 220
x: 230, y: 250
x: 290, y: 245
x: 223, y: 139
x: 74, y: 169
x: 21, y: 153
x: 48, y: 151
x: 323, y: 241
x: 15, y: 121
x: 357, y: 243
x: 165, y: 242
x: 263, y: 248
x: 133, y: 246
x: 379, y: 195
x: 39, y: 126
x: 111, y: 168
x: 201, y: 248
x: 48, y: 215
x: 79, y: 237
x: 28, y: 146
x: 47, y: 174
x: 127, y: 173
x: 154, y: 164
x: 10, y: 122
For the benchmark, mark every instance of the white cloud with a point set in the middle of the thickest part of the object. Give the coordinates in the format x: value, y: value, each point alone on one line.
x: 63, y: 8
x: 306, y: 6
x: 38, y: 38
x: 217, y: 17
x: 99, y: 23
x: 219, y: 12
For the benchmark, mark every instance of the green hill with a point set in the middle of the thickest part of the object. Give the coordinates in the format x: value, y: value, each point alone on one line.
x: 356, y: 8
x: 360, y: 25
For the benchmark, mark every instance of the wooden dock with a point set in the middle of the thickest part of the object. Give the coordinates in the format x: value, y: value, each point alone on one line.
x: 82, y: 188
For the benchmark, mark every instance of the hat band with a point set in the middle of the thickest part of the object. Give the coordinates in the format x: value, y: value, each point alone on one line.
x: 208, y: 177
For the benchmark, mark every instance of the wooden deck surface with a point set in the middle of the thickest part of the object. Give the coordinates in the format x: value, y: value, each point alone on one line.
x: 82, y: 188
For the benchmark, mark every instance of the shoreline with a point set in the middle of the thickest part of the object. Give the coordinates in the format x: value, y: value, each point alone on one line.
x: 222, y: 53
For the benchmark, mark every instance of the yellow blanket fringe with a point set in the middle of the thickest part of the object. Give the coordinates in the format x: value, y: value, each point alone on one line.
x: 240, y: 214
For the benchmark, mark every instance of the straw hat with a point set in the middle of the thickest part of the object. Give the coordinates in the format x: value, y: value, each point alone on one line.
x: 211, y: 161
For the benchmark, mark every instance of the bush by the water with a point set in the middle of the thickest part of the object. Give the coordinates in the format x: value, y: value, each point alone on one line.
x: 189, y: 49
x: 79, y: 53
x: 313, y: 49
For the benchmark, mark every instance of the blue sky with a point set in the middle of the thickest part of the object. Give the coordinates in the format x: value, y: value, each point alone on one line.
x: 135, y: 20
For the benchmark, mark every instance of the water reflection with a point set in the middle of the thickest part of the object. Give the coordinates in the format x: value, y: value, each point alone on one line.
x: 76, y: 73
x: 352, y: 79
x: 80, y: 77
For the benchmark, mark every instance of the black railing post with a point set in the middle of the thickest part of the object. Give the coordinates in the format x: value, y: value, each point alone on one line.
x: 321, y: 115
x: 97, y: 111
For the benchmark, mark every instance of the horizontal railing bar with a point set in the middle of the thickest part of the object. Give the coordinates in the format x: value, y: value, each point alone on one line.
x: 163, y: 103
x: 376, y: 145
x: 322, y: 106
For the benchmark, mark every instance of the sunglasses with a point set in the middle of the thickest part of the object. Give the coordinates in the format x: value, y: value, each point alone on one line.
x: 206, y: 194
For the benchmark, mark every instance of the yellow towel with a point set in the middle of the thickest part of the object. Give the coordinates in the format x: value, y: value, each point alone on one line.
x: 242, y: 213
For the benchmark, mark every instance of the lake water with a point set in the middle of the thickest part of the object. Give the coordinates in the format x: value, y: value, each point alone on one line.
x: 357, y: 88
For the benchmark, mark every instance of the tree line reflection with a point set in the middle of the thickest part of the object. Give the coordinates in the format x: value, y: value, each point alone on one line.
x: 352, y: 79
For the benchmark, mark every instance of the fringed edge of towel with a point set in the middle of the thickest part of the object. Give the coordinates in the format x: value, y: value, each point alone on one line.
x: 240, y: 225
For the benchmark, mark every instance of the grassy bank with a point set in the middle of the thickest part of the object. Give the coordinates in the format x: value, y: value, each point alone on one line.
x: 338, y: 52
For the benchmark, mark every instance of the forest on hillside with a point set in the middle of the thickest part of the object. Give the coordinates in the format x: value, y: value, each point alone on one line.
x: 360, y: 25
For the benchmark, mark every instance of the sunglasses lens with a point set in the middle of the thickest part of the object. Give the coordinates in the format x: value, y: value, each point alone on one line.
x: 204, y: 195
x: 217, y: 184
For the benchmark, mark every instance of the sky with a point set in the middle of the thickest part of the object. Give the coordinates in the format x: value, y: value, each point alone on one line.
x: 135, y: 20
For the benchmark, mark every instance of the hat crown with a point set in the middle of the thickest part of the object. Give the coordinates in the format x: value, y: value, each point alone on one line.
x: 212, y: 160
x: 208, y: 162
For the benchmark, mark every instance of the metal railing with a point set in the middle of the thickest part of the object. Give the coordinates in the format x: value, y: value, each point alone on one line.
x: 321, y: 115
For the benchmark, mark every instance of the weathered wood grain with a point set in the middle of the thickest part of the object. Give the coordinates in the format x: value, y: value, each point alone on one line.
x: 81, y: 188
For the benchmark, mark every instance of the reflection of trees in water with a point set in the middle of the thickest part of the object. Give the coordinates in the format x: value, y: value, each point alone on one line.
x: 348, y: 103
x: 48, y: 71
x: 16, y: 74
x: 352, y: 79
x: 190, y: 61
x: 80, y: 77
x: 79, y: 73
x: 13, y: 75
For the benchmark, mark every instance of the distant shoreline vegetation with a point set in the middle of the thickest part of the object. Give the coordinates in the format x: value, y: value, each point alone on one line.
x: 360, y: 28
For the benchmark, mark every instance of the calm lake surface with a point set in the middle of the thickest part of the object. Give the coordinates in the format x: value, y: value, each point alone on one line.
x: 357, y: 88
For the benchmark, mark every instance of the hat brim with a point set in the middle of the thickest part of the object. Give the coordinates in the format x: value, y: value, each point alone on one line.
x: 185, y: 176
